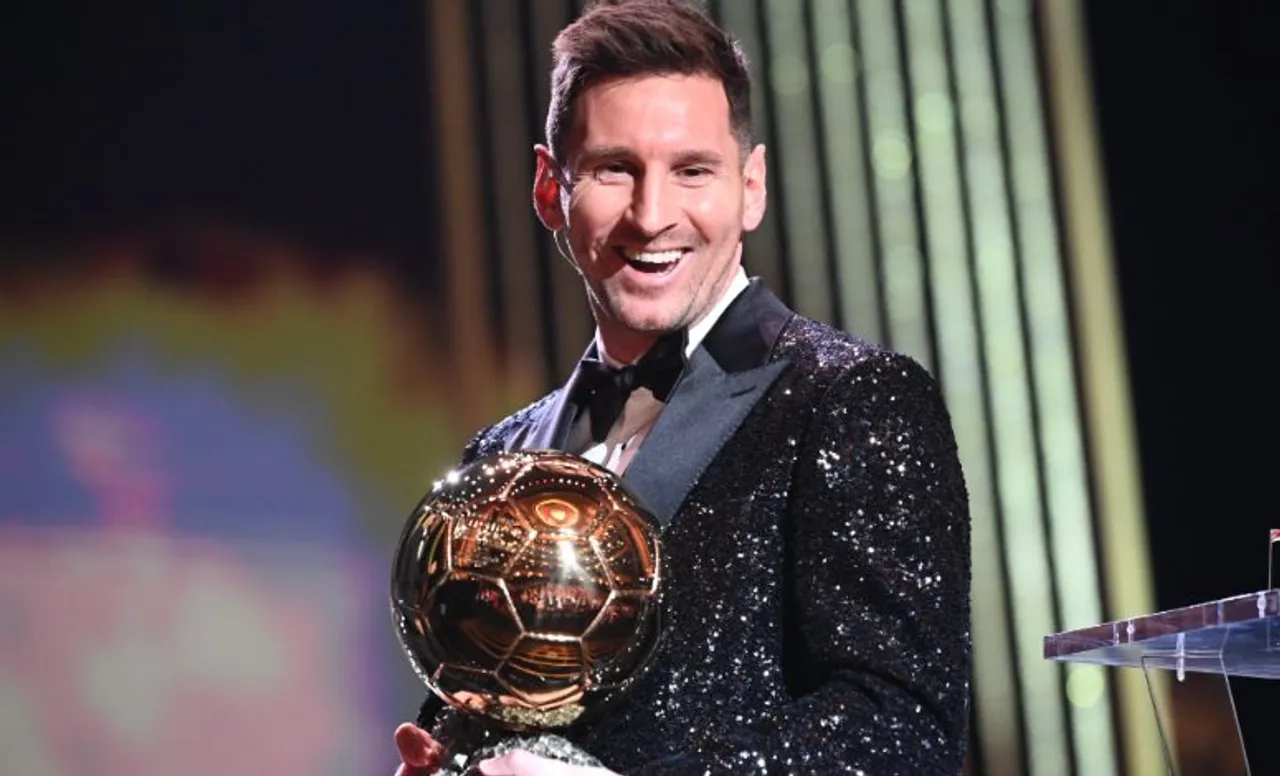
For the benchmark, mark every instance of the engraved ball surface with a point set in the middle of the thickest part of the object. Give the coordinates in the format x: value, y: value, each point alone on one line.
x: 525, y: 588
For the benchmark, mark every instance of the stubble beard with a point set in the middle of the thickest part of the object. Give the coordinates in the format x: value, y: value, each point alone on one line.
x: 655, y: 317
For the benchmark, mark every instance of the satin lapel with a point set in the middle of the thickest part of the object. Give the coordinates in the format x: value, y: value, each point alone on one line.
x: 705, y: 410
x: 724, y: 379
x: 550, y: 429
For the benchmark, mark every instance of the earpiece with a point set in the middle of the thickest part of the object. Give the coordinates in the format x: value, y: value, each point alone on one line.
x: 564, y: 252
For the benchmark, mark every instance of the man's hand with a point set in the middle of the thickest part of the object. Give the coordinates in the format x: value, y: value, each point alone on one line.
x: 521, y: 763
x: 420, y: 754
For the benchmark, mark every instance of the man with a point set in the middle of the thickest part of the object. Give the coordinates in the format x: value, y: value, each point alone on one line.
x: 813, y: 507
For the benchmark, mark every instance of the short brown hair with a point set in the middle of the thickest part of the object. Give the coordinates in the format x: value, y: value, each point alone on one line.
x: 624, y: 38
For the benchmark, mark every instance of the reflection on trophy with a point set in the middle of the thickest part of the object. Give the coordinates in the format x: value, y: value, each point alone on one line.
x: 524, y: 592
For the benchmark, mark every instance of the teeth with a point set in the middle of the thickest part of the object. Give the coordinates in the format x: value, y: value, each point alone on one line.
x: 654, y: 257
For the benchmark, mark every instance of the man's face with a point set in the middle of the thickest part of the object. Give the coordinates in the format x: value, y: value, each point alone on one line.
x: 655, y: 196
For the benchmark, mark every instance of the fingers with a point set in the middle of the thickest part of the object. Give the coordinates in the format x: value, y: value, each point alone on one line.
x: 518, y: 762
x: 419, y: 752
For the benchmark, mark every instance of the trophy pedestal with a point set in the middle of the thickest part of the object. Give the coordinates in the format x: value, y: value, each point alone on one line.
x: 1232, y: 637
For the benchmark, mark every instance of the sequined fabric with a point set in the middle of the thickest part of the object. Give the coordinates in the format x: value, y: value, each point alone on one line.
x: 817, y: 584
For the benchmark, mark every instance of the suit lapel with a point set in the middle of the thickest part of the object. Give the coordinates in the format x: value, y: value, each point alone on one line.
x: 727, y: 374
x: 706, y: 409
x: 550, y: 429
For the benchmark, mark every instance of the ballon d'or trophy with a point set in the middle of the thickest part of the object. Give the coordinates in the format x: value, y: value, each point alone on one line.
x: 525, y: 593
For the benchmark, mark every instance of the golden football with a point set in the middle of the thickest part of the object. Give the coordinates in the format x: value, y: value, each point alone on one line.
x: 525, y: 588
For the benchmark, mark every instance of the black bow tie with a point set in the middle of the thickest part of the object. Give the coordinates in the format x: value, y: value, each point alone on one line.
x: 604, y: 390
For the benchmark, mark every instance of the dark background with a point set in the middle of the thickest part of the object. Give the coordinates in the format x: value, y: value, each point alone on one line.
x: 1187, y: 106
x: 1188, y: 119
x: 310, y: 119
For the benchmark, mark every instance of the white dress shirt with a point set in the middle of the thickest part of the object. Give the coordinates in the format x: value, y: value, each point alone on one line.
x: 642, y: 409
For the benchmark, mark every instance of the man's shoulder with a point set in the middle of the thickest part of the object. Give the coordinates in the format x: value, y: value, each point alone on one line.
x: 821, y: 349
x: 824, y: 356
x: 493, y: 438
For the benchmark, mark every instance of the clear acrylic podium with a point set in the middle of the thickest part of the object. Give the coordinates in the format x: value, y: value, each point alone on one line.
x: 1238, y: 636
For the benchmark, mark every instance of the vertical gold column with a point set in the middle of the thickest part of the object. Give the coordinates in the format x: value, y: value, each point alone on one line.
x: 1018, y: 476
x: 960, y: 363
x: 1105, y: 381
x: 801, y: 201
x: 905, y: 295
x: 509, y: 185
x: 1052, y: 360
x: 461, y: 247
x: 763, y: 252
x: 854, y: 249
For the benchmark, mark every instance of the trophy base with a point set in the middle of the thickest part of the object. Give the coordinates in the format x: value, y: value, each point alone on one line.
x: 470, y: 743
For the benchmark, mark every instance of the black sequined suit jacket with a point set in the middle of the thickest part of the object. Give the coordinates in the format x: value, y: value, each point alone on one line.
x: 816, y: 530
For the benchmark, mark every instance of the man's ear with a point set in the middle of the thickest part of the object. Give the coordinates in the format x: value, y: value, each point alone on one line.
x: 755, y: 193
x: 546, y: 190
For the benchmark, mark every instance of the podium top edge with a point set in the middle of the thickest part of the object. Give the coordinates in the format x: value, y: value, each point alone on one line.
x: 1224, y: 612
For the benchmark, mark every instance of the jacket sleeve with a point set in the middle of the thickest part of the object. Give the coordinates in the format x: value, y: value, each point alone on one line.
x: 879, y: 608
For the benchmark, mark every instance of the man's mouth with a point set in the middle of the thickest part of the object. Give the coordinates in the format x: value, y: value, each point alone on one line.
x: 652, y: 262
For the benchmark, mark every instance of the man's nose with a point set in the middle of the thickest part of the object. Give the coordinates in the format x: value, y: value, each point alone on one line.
x: 653, y: 208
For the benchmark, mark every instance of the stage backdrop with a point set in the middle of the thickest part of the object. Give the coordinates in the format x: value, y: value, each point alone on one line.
x: 264, y: 272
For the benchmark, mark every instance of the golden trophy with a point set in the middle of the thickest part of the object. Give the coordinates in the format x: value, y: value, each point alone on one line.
x: 525, y: 593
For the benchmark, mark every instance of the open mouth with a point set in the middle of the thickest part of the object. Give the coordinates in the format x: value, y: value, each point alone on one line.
x: 652, y: 262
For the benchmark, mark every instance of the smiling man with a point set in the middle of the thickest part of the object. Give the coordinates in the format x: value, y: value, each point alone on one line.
x: 813, y: 507
x: 654, y: 193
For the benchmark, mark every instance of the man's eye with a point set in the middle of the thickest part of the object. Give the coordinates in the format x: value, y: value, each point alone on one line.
x: 613, y: 169
x: 694, y: 173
